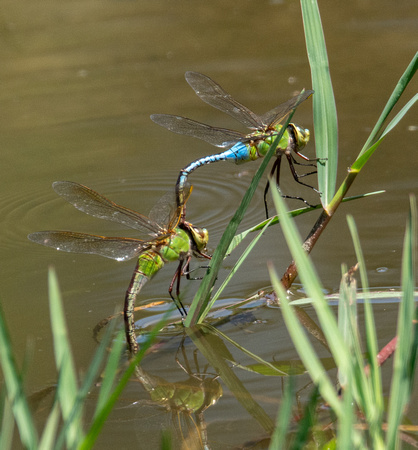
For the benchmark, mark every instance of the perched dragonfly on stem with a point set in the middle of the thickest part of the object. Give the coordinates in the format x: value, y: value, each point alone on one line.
x: 241, y: 147
x: 171, y: 240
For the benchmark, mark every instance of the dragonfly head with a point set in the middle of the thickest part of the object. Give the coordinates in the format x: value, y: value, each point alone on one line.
x: 301, y: 134
x: 199, y: 236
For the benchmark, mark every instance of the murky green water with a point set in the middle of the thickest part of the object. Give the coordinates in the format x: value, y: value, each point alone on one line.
x: 79, y: 81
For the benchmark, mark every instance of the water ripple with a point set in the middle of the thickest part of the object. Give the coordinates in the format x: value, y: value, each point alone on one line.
x: 212, y: 204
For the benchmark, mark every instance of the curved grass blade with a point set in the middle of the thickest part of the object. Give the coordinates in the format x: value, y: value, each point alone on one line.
x: 67, y: 378
x: 15, y: 391
x: 233, y: 271
x: 396, y: 94
x: 296, y: 212
x: 404, y: 364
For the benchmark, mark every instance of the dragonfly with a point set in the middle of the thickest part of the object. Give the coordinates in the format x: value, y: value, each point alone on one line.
x: 168, y: 240
x: 241, y: 147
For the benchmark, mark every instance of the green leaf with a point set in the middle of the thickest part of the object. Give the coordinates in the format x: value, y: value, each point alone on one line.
x: 324, y: 109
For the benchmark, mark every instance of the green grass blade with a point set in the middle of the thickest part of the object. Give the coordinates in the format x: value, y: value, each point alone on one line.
x: 101, y: 415
x: 257, y: 358
x: 307, y: 422
x: 305, y: 349
x: 405, y: 354
x: 50, y: 429
x: 294, y: 213
x: 111, y: 370
x: 311, y: 282
x: 14, y: 387
x: 324, y: 109
x: 233, y: 271
x: 284, y: 416
x: 67, y: 380
x: 371, y: 336
x: 89, y: 379
x: 365, y: 155
x: 214, y: 350
x: 398, y: 91
x: 347, y: 314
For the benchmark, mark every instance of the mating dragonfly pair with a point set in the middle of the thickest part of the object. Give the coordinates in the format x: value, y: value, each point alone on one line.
x: 173, y: 238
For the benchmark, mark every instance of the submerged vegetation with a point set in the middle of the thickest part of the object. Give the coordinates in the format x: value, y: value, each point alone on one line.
x: 355, y: 409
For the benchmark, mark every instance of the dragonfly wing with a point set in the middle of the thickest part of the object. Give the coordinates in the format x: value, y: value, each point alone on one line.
x: 166, y: 212
x: 210, y: 92
x: 279, y: 113
x: 121, y: 249
x: 92, y: 203
x: 219, y: 137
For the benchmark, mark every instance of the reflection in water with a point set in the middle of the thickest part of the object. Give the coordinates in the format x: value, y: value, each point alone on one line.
x: 178, y: 408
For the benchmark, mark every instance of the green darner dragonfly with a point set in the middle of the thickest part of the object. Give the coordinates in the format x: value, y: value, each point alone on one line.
x: 170, y: 241
x: 241, y: 147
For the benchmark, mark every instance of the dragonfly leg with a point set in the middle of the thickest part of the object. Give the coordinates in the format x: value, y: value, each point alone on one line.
x: 296, y: 176
x: 177, y: 301
x: 275, y: 168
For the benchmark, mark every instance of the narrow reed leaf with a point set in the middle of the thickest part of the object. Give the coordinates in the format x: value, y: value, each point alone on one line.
x: 101, y: 415
x: 365, y: 155
x: 371, y: 336
x: 50, y: 430
x: 14, y: 388
x: 324, y: 109
x: 405, y: 354
x: 67, y: 379
x: 396, y: 94
x: 89, y: 378
x: 305, y: 349
x: 284, y: 416
x: 232, y: 272
x: 111, y: 370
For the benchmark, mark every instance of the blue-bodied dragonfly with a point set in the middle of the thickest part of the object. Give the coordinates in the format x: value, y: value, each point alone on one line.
x: 241, y: 147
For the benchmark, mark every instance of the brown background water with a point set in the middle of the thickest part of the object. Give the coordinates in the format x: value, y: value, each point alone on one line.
x: 78, y: 83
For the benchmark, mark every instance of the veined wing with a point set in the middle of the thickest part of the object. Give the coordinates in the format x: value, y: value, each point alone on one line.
x: 121, y: 249
x: 279, y: 113
x: 219, y: 137
x: 166, y: 211
x: 210, y: 92
x: 92, y: 203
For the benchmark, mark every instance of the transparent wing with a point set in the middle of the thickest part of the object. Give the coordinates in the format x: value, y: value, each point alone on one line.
x: 219, y: 137
x: 210, y: 92
x: 166, y: 210
x: 279, y: 113
x: 121, y: 249
x: 92, y: 203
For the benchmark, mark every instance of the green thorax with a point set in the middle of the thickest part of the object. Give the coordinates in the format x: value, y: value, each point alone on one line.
x: 173, y: 248
x: 259, y: 149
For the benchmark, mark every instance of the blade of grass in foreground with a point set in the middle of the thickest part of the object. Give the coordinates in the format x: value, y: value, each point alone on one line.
x: 324, y: 109
x: 233, y: 271
x: 371, y: 337
x: 396, y: 94
x: 15, y: 393
x: 67, y: 379
x: 405, y: 354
